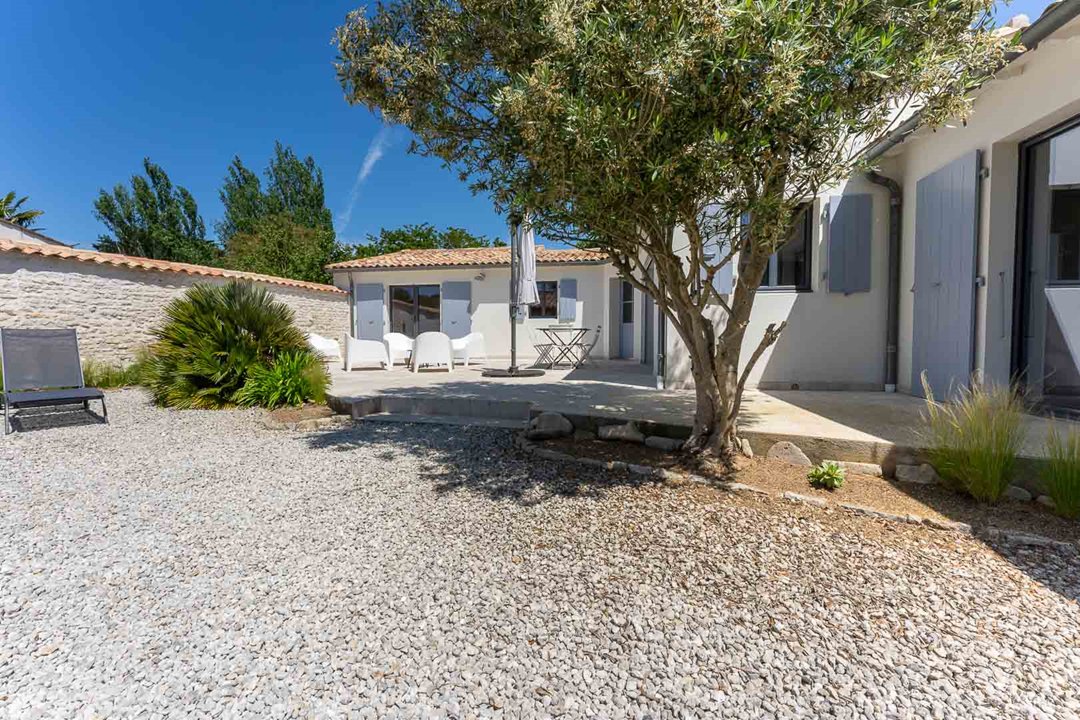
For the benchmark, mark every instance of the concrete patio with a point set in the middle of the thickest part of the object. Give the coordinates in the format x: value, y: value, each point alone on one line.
x: 856, y: 426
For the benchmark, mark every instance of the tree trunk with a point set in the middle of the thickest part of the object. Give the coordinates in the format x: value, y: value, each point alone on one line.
x: 715, y: 360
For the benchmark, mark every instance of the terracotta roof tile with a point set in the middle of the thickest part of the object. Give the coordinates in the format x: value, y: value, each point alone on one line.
x: 141, y: 263
x: 467, y: 257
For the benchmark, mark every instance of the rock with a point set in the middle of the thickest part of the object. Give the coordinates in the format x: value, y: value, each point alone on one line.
x: 918, y: 474
x: 948, y: 525
x: 859, y: 468
x: 628, y: 432
x: 549, y: 425
x: 1015, y: 492
x: 790, y: 453
x: 744, y: 445
x: 806, y: 499
x: 663, y: 443
x: 584, y: 435
x: 1046, y: 501
x: 641, y: 470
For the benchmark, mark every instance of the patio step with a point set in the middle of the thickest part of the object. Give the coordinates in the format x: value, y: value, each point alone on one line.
x: 461, y: 409
x: 461, y: 420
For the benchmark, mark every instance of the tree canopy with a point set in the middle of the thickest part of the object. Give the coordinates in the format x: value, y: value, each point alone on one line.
x: 422, y: 236
x: 11, y: 210
x: 277, y: 245
x: 155, y: 219
x: 649, y: 128
x: 294, y: 189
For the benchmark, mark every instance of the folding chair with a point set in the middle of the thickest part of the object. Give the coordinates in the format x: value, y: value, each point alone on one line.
x: 42, y: 369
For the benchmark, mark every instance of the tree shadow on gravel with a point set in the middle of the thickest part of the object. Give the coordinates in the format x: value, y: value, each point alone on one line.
x: 475, y: 459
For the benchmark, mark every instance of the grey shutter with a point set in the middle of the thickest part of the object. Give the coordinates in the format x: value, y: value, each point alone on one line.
x: 946, y: 234
x: 850, y: 240
x: 370, y: 311
x: 456, y: 301
x: 567, y: 300
x: 614, y: 315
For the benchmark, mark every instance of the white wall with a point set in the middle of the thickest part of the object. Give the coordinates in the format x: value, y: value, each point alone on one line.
x: 490, y: 307
x: 832, y: 340
x: 1033, y: 94
x: 114, y: 309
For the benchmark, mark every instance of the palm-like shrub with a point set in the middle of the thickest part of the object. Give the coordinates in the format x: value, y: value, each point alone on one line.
x: 294, y: 377
x: 211, y: 340
x: 973, y: 440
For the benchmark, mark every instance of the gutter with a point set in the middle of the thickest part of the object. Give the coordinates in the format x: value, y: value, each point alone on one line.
x: 892, y: 314
x: 1030, y: 37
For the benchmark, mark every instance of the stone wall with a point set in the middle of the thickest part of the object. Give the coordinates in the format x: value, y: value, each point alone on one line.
x: 114, y: 308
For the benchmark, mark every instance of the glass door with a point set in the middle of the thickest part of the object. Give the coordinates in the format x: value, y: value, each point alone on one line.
x: 415, y: 309
x: 1051, y: 264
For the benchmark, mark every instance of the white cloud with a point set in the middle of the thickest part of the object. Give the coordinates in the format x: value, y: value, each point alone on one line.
x: 376, y: 149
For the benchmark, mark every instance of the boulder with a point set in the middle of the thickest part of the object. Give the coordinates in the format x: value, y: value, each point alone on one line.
x: 859, y: 468
x: 789, y: 453
x: 663, y: 443
x: 1015, y: 492
x: 918, y: 474
x: 628, y: 432
x: 549, y: 425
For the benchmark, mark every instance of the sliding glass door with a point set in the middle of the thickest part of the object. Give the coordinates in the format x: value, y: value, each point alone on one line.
x: 1050, y: 352
x: 414, y: 309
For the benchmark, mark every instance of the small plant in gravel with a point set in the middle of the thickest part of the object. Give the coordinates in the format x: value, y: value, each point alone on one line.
x: 293, y: 378
x: 213, y: 337
x: 827, y: 476
x: 107, y: 375
x: 973, y: 440
x: 1061, y: 474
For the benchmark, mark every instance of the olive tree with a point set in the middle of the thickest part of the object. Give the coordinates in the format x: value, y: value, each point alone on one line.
x: 652, y: 129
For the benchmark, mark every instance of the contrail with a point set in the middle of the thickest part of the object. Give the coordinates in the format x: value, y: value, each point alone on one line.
x: 375, y: 151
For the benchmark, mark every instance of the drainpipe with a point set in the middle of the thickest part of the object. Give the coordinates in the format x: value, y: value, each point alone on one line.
x: 892, y: 322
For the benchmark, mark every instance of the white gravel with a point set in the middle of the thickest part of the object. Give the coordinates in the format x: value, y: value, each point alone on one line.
x: 194, y: 564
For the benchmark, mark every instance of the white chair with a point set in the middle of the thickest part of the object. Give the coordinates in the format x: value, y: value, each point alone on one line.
x: 469, y: 348
x: 361, y: 352
x: 432, y: 349
x: 398, y: 347
x: 329, y: 349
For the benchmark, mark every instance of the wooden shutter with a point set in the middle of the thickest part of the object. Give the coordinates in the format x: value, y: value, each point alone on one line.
x: 456, y: 317
x: 850, y: 240
x: 567, y: 300
x: 370, y: 302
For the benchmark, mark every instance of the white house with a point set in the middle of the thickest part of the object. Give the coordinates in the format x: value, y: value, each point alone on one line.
x: 961, y: 254
x: 467, y: 290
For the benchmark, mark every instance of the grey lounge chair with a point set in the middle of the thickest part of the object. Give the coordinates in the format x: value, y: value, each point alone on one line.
x: 42, y: 369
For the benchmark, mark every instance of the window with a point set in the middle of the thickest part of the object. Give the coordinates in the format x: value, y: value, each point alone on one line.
x: 548, y: 307
x: 789, y: 267
x: 414, y: 309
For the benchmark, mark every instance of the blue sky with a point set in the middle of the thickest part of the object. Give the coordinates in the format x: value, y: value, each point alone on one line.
x: 89, y: 89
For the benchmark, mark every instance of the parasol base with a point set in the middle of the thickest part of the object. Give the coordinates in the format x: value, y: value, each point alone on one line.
x: 513, y: 372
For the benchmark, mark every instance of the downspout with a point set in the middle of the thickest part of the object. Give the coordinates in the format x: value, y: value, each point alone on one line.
x: 892, y: 320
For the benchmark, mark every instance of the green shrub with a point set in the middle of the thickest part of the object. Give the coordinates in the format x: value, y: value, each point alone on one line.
x: 293, y: 378
x: 1061, y: 474
x: 828, y: 475
x: 212, y: 338
x: 973, y: 440
x: 106, y: 375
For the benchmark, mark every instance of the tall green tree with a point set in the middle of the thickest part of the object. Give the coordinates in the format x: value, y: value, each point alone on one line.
x: 11, y: 210
x: 277, y: 245
x: 278, y: 224
x: 420, y: 237
x: 647, y: 128
x: 155, y: 219
x: 293, y: 188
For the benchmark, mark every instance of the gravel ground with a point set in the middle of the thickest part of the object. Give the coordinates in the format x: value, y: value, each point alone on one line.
x: 195, y: 564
